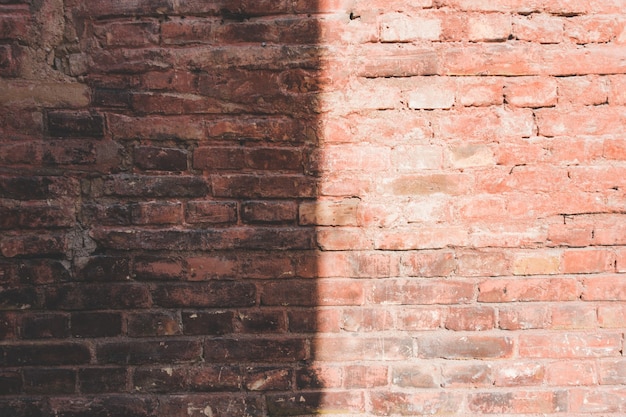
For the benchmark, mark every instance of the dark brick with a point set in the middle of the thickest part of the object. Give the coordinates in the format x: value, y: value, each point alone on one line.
x: 75, y: 124
x: 160, y: 380
x: 274, y: 159
x: 268, y: 379
x: 257, y: 350
x: 42, y: 271
x: 104, y: 406
x: 96, y: 324
x: 205, y: 294
x: 37, y: 188
x: 268, y: 186
x: 106, y: 214
x: 47, y: 354
x: 87, y: 296
x: 26, y: 245
x: 133, y: 353
x: 69, y: 152
x: 153, y: 324
x: 100, y: 380
x: 160, y: 159
x: 155, y: 186
x: 214, y: 378
x: 18, y: 298
x: 269, y: 211
x: 35, y: 217
x: 261, y: 322
x: 218, y: 158
x: 103, y: 268
x: 111, y: 97
x: 49, y: 381
x: 45, y: 326
x: 10, y: 383
x: 9, y: 62
x: 209, y: 323
x: 8, y: 325
x: 222, y: 405
x: 23, y: 407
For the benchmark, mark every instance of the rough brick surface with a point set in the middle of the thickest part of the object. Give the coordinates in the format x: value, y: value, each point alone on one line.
x: 286, y: 208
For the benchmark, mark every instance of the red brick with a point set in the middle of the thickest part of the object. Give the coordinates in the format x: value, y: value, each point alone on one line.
x: 531, y: 92
x: 587, y: 401
x: 345, y: 349
x: 574, y: 317
x: 569, y: 345
x: 470, y: 318
x: 538, y: 27
x: 611, y: 315
x: 167, y: 351
x: 588, y: 261
x: 592, y: 29
x: 518, y: 402
x: 491, y: 27
x: 214, y: 323
x: 464, y: 347
x: 163, y: 212
x: 419, y: 375
x: 530, y: 289
x: 128, y: 34
x: 483, y: 263
x: 365, y: 376
x: 604, y: 288
x: 429, y: 263
x: 109, y: 404
x: 572, y: 373
x: 519, y: 374
x: 586, y: 90
x: 88, y: 296
x: 211, y: 212
x: 366, y: 320
x: 418, y: 403
x: 612, y: 371
x: 466, y: 374
x: 254, y: 186
x: 436, y: 291
x: 411, y: 318
x: 522, y: 318
x: 319, y: 376
x: 480, y: 91
x: 157, y: 269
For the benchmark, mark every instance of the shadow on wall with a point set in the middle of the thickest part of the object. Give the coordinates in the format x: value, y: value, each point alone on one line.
x: 159, y: 254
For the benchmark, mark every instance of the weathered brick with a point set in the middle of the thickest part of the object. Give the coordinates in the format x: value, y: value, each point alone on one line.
x: 518, y: 402
x: 212, y: 212
x: 418, y: 403
x: 96, y: 324
x: 49, y: 381
x: 569, y: 345
x: 75, y: 124
x: 153, y: 324
x: 464, y: 347
x: 160, y: 159
x: 48, y: 354
x: 167, y: 351
x: 43, y: 326
x: 102, y: 380
x: 205, y: 294
x: 88, y: 296
x: 275, y: 350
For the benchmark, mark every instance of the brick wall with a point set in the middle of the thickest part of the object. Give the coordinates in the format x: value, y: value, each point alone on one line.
x: 282, y: 208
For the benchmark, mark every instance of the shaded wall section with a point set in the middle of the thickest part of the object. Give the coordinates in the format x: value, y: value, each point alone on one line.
x: 154, y: 157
